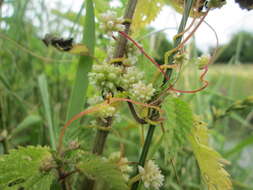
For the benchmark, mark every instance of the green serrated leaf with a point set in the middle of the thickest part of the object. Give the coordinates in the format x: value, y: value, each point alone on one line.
x: 146, y: 12
x: 101, y: 170
x: 21, y: 168
x: 179, y: 120
x: 210, y: 162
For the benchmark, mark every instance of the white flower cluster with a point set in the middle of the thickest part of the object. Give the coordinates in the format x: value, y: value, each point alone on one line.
x: 107, y: 111
x: 133, y: 81
x: 151, y: 175
x: 111, y: 23
x: 141, y: 92
x: 104, y: 112
x: 131, y: 76
x: 122, y: 163
x: 106, y: 77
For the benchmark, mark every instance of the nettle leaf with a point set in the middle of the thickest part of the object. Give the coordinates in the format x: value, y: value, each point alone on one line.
x: 210, y: 162
x: 146, y: 11
x: 22, y: 169
x: 178, y: 124
x: 101, y: 170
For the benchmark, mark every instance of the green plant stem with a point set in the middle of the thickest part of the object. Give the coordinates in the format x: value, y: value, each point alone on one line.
x: 148, y: 140
x: 144, y: 152
x: 122, y: 42
x: 187, y: 9
x: 119, y: 52
x: 78, y: 95
x: 101, y: 135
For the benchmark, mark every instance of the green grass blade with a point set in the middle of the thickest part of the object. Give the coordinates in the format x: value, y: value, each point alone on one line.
x: 46, y: 103
x: 81, y: 83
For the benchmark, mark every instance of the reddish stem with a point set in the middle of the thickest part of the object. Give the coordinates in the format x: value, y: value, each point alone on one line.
x: 95, y: 109
x: 193, y: 91
x: 144, y: 53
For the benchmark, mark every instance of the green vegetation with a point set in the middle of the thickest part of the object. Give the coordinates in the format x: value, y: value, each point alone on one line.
x: 125, y: 123
x: 242, y: 40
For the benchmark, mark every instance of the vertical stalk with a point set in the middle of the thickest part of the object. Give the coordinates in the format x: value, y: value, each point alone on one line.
x: 81, y: 83
x: 99, y: 142
x: 187, y: 9
x: 119, y: 52
x: 144, y: 152
x: 129, y: 13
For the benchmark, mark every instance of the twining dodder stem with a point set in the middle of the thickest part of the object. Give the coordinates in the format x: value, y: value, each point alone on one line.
x: 151, y: 129
x: 187, y: 10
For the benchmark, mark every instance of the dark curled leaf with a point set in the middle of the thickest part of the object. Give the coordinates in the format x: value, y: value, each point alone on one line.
x: 59, y: 43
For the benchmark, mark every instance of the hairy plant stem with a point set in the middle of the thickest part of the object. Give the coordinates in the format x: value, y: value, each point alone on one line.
x: 119, y: 52
x: 151, y: 129
x: 122, y: 42
x: 99, y: 143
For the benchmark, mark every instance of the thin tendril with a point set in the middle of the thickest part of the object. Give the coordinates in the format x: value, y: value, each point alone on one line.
x: 144, y: 53
x: 95, y: 109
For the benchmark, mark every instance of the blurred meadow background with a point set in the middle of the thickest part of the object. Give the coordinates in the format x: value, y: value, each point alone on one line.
x: 36, y: 81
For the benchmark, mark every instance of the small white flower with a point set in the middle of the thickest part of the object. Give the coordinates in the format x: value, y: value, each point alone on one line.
x: 107, y: 111
x: 132, y: 76
x: 142, y: 92
x: 119, y: 27
x: 111, y: 23
x: 106, y: 77
x: 151, y: 175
